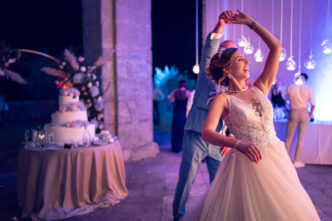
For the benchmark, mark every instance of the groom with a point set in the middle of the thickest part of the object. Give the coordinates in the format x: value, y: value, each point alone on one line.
x: 194, y: 149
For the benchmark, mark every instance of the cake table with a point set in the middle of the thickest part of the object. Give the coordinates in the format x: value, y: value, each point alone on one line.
x: 57, y: 183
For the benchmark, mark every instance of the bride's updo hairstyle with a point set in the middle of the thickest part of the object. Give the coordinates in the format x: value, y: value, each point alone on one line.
x: 219, y: 61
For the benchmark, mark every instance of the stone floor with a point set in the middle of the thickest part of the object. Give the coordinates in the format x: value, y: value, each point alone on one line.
x: 151, y: 184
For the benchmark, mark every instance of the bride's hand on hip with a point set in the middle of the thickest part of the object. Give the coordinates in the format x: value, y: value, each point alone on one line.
x: 250, y: 150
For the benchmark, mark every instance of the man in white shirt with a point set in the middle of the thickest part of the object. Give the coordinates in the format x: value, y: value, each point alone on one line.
x: 299, y: 95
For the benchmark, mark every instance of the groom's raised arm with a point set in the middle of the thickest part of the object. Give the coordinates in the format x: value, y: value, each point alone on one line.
x: 211, y: 44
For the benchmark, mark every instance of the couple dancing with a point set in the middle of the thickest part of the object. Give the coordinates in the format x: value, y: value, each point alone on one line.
x: 256, y: 180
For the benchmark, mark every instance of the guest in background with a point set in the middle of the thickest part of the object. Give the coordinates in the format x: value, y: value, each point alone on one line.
x: 157, y: 96
x: 190, y: 102
x: 179, y: 97
x: 278, y: 94
x: 299, y: 94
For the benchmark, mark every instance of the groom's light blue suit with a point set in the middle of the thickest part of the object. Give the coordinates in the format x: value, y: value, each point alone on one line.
x: 194, y: 149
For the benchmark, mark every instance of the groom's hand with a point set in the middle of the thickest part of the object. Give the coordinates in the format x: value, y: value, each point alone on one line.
x: 227, y: 16
x: 224, y: 18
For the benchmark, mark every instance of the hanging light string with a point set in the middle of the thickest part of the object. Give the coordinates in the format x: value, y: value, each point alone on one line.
x: 300, y: 36
x: 259, y: 20
x: 196, y: 31
x: 249, y: 9
x: 272, y: 17
x: 311, y: 24
x: 216, y: 8
x: 291, y: 30
x: 241, y: 11
x: 281, y: 19
x: 327, y: 18
x: 234, y: 8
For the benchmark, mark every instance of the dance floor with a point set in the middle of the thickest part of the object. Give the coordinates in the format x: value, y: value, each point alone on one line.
x: 151, y: 185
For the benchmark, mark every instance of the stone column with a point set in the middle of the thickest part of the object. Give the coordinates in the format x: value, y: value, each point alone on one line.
x: 125, y: 26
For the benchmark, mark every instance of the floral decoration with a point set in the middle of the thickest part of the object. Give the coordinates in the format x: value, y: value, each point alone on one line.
x: 7, y: 58
x: 73, y: 73
x: 76, y: 124
x: 73, y: 107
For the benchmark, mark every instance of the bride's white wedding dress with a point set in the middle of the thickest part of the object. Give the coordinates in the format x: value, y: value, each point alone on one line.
x: 243, y: 190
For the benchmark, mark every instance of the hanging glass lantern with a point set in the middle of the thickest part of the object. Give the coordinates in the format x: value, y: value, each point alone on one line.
x: 259, y: 56
x: 310, y: 63
x: 326, y: 46
x: 283, y: 55
x: 290, y: 64
x: 248, y: 49
x: 298, y: 79
x: 242, y: 42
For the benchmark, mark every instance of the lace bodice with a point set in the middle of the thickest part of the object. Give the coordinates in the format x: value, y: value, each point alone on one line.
x: 250, y: 118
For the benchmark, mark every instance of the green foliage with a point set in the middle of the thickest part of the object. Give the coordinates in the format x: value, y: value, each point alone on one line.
x: 168, y: 79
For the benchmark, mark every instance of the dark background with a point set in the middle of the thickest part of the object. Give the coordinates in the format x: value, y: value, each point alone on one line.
x: 173, y: 33
x: 46, y: 26
x: 53, y: 25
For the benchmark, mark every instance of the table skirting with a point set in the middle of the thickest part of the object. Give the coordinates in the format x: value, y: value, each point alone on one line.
x: 317, y: 148
x: 60, y: 183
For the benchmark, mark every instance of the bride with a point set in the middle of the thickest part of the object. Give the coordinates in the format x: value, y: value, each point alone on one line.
x: 256, y: 180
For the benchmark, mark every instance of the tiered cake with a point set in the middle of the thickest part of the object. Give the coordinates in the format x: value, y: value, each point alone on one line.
x: 70, y: 124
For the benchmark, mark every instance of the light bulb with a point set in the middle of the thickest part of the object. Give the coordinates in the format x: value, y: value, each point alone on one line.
x: 259, y: 57
x: 242, y: 42
x: 290, y: 64
x: 327, y: 50
x: 196, y: 69
x: 248, y: 49
x: 298, y: 79
x: 283, y: 55
x: 310, y: 63
x: 326, y: 46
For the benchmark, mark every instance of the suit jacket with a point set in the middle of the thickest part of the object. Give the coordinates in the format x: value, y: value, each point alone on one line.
x: 205, y: 89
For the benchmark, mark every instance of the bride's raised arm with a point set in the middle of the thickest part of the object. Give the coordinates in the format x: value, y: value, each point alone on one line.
x: 265, y: 80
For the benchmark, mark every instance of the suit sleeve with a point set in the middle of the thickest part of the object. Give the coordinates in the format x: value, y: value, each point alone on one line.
x: 210, y: 48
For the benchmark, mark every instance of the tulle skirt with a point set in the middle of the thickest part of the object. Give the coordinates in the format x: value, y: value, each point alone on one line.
x: 245, y: 191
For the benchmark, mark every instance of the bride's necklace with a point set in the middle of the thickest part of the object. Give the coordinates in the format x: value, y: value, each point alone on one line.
x: 237, y: 91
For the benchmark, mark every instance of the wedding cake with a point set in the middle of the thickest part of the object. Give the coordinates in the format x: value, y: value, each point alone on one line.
x: 70, y: 124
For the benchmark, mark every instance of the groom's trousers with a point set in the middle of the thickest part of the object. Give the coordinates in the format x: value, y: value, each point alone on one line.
x: 194, y: 150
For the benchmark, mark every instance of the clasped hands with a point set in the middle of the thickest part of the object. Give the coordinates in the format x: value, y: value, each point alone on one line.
x: 229, y: 17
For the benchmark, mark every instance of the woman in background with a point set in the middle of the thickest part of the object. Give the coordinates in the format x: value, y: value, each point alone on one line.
x: 179, y: 97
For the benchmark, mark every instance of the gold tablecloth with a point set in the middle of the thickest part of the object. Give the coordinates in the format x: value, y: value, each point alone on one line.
x: 60, y: 183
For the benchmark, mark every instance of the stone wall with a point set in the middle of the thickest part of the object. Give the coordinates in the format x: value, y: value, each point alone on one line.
x: 124, y: 25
